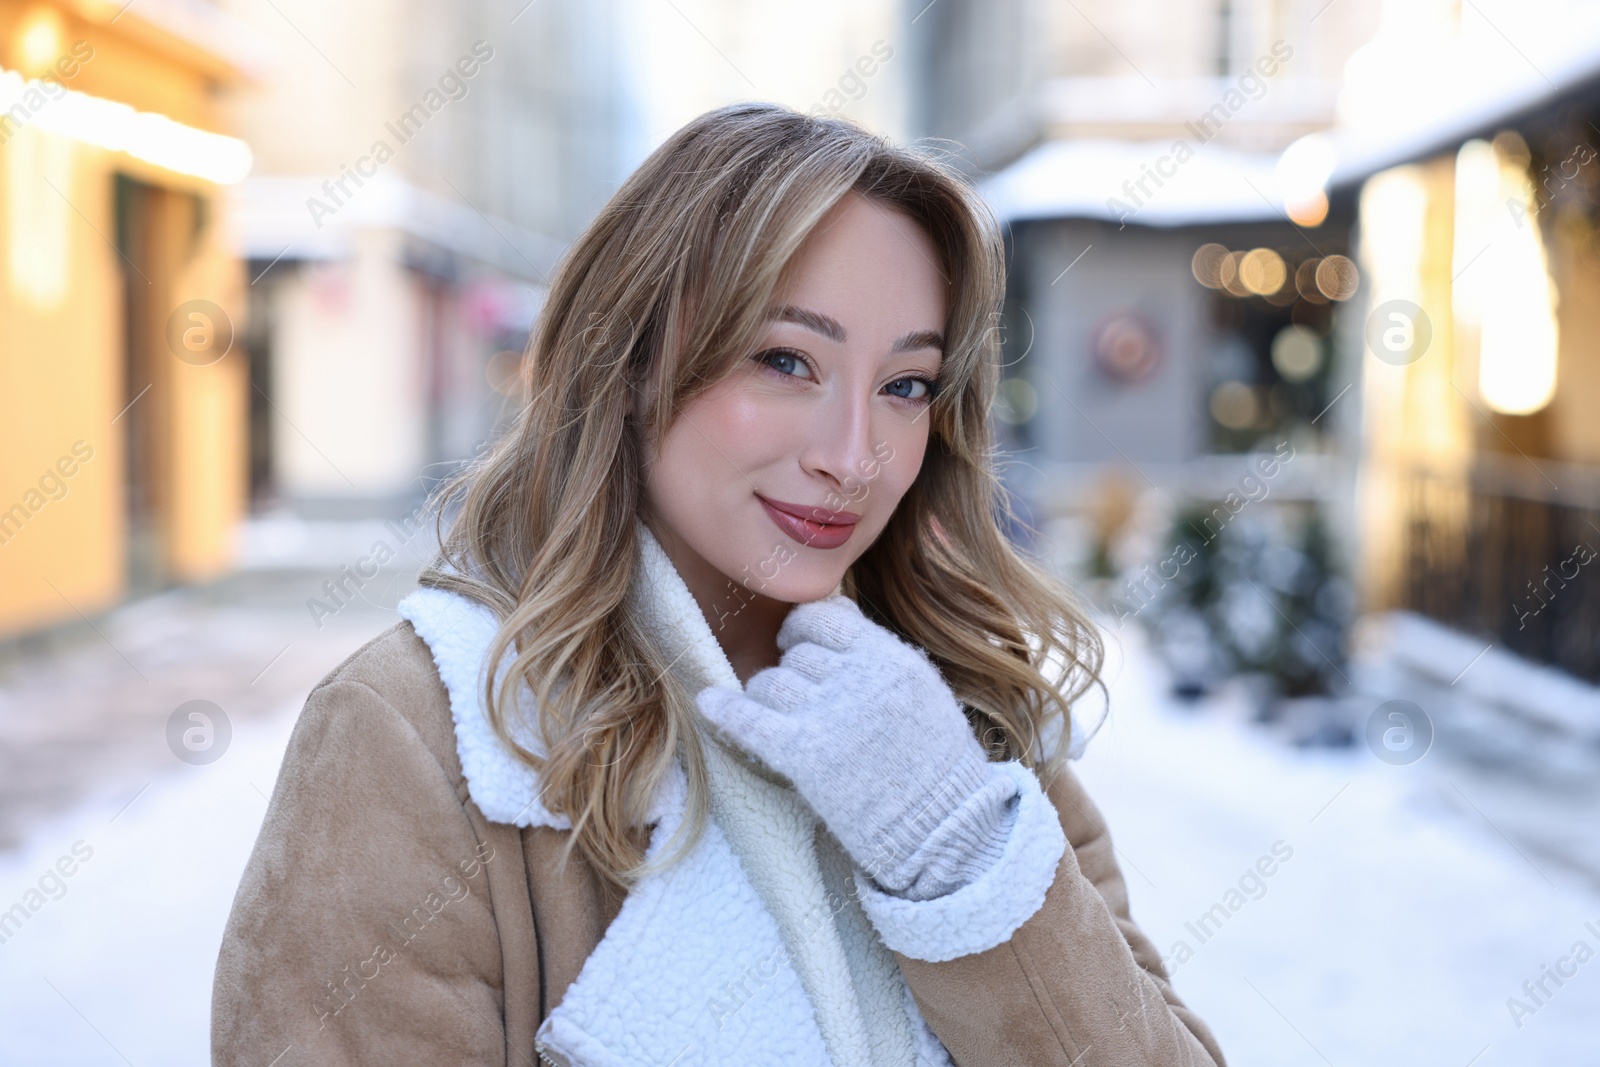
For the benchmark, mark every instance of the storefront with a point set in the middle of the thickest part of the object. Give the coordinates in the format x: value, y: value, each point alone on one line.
x: 1480, y: 452
x: 123, y: 400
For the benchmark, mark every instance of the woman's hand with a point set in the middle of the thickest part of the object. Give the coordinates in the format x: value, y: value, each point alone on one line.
x: 873, y: 739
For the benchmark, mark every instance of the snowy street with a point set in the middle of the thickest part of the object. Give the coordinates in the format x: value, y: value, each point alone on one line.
x: 1317, y: 907
x: 1395, y: 932
x: 125, y: 887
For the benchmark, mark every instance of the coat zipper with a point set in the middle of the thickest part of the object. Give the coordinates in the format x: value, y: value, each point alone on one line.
x: 545, y: 1054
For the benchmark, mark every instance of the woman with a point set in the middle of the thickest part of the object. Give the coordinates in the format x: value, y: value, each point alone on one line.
x: 723, y: 730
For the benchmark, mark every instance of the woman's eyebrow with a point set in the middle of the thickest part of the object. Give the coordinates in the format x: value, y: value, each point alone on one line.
x: 920, y: 339
x: 830, y: 328
x: 814, y: 321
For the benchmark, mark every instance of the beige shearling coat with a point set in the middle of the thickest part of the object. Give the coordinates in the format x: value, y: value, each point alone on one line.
x: 384, y: 919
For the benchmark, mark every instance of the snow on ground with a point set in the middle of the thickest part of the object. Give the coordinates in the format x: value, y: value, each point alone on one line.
x: 1393, y: 932
x: 116, y: 966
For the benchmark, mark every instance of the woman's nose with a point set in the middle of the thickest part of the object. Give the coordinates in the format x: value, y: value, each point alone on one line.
x: 839, y: 444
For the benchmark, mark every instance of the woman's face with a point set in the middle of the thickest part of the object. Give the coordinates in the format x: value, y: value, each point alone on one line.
x: 826, y: 419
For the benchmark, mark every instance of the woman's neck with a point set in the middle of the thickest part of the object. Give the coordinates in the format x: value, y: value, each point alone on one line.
x: 744, y: 623
x: 750, y: 639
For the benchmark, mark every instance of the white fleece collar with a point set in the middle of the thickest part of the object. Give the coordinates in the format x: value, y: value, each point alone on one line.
x: 738, y: 954
x: 458, y: 631
x: 749, y: 950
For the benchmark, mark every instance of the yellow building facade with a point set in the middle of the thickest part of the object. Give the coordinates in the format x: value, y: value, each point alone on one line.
x: 123, y: 400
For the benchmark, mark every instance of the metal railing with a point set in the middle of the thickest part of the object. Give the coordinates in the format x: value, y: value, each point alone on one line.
x: 1510, y: 551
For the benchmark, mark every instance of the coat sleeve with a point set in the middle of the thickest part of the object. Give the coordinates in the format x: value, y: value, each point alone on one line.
x: 362, y: 931
x: 1076, y: 983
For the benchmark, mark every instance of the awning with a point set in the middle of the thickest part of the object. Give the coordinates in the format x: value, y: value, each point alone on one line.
x: 1458, y: 94
x: 1146, y: 183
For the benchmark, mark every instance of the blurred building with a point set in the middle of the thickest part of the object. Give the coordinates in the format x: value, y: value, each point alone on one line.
x: 1367, y: 230
x: 317, y: 318
x: 1480, y: 237
x: 850, y: 58
x: 1001, y: 78
x: 1178, y: 412
x: 420, y: 167
x: 1164, y: 313
x: 123, y: 400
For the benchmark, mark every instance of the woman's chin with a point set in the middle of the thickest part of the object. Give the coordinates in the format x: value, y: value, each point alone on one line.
x: 801, y: 589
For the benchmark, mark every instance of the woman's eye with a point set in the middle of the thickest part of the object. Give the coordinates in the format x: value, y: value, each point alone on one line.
x: 785, y: 361
x: 912, y: 385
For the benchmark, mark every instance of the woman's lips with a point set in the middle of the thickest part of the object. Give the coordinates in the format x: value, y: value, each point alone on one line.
x: 794, y: 520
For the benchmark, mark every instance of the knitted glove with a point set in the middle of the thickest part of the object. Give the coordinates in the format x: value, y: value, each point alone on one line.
x: 871, y: 737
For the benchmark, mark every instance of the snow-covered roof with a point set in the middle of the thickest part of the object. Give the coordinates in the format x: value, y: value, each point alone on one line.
x: 1099, y: 179
x: 1457, y: 94
x: 1409, y: 98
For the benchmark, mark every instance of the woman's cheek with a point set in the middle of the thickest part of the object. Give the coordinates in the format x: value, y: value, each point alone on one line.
x: 900, y: 458
x: 751, y: 424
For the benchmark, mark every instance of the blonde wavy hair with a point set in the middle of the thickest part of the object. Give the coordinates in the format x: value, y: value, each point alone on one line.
x: 669, y: 286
